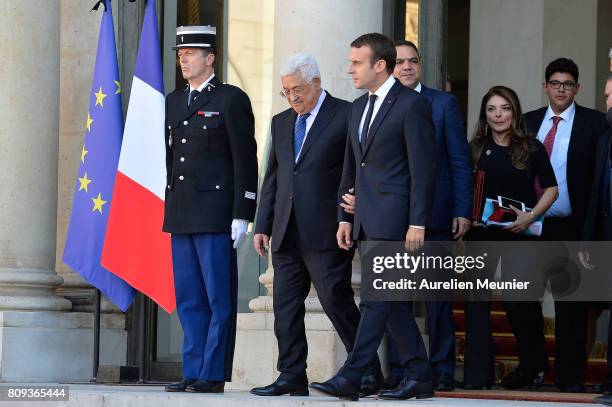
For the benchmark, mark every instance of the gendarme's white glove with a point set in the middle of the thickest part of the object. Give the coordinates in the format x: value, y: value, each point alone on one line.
x: 239, y: 228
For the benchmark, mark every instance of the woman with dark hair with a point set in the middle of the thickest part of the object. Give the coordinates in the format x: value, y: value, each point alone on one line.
x: 514, y: 164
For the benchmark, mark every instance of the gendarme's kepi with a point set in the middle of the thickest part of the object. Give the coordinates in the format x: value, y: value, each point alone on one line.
x: 196, y: 36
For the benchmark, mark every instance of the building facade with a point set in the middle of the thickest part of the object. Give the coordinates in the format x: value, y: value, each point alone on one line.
x: 47, y: 59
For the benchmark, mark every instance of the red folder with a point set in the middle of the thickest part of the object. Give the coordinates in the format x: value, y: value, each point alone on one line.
x: 479, y: 179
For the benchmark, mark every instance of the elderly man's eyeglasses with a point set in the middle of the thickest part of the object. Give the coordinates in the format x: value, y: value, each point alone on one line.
x: 567, y: 85
x: 295, y: 92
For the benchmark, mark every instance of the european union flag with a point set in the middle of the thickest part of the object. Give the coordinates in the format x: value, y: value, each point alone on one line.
x: 97, y: 169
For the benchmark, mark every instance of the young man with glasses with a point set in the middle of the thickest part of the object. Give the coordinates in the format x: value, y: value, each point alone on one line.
x: 570, y: 134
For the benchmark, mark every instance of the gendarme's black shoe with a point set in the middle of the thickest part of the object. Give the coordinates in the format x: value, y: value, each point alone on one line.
x: 337, y: 386
x: 204, y: 386
x: 408, y: 389
x: 280, y: 387
x: 179, y: 386
x: 605, y: 400
x: 444, y: 382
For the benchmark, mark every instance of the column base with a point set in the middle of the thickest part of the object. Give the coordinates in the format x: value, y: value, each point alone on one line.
x: 44, y: 346
x: 256, y: 351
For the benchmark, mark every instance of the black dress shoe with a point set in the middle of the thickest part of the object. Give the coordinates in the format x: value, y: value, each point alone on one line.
x: 337, y: 386
x: 518, y: 379
x: 445, y: 382
x: 204, y: 386
x: 179, y: 386
x: 469, y: 386
x: 605, y: 400
x: 370, y: 384
x: 280, y: 387
x: 391, y: 382
x: 408, y: 389
x: 573, y: 388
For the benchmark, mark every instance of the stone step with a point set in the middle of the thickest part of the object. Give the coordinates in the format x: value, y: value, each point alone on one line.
x: 154, y: 396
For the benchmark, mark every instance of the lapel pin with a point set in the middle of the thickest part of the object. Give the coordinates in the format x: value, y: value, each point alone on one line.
x: 488, y: 152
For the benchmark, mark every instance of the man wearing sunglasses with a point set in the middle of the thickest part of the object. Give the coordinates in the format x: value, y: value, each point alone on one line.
x: 570, y: 133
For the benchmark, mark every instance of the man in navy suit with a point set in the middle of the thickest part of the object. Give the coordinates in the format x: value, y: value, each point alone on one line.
x: 452, y: 209
x: 390, y: 163
x: 450, y: 217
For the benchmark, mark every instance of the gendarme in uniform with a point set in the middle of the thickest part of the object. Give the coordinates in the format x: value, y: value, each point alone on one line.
x: 211, y: 162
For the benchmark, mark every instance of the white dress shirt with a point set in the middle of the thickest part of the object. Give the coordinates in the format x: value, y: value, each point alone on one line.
x: 558, y: 157
x: 381, y: 92
x: 418, y: 87
x: 310, y: 120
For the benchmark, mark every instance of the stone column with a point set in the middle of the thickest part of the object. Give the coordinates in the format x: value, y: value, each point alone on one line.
x: 29, y: 107
x: 432, y: 41
x: 303, y: 27
x: 512, y: 42
x: 35, y: 336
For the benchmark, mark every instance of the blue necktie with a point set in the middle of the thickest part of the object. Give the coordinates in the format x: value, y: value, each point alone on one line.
x: 366, y: 122
x: 299, y: 134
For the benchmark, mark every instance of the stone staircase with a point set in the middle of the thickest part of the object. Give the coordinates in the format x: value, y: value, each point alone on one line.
x: 504, y: 346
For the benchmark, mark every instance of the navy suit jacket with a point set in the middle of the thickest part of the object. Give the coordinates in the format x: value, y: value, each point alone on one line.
x: 394, y: 175
x: 598, y: 218
x: 454, y: 189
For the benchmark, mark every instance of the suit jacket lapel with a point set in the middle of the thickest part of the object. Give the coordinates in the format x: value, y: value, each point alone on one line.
x: 287, y: 127
x: 324, y: 116
x: 360, y: 104
x: 203, y: 98
x: 382, y: 112
x: 538, y: 119
x: 574, y: 139
x: 425, y: 90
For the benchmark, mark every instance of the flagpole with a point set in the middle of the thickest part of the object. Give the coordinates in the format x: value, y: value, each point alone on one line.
x: 141, y: 338
x: 96, y: 344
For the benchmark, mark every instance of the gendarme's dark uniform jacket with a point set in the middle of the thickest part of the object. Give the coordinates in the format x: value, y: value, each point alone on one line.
x: 211, y: 160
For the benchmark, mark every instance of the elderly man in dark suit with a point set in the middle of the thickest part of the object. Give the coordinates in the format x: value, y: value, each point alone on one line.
x: 297, y: 210
x: 570, y: 133
x: 390, y: 162
x: 211, y: 163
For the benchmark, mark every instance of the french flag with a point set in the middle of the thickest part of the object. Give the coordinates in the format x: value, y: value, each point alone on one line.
x: 135, y: 248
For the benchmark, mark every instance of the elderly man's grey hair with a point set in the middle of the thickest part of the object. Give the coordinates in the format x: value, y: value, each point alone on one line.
x: 301, y: 63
